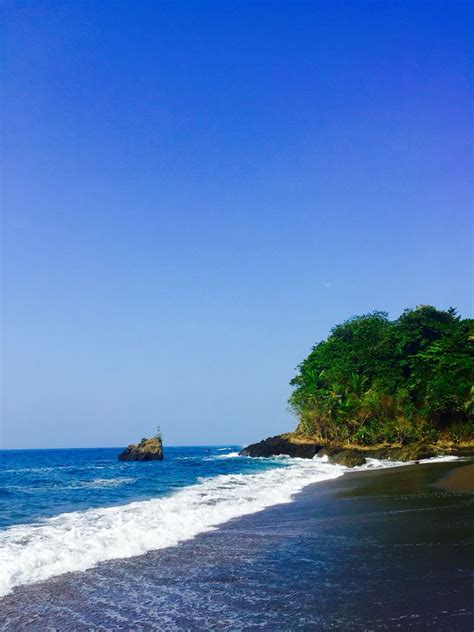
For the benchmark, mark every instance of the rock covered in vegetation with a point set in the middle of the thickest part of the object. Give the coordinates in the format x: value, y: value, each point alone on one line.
x: 377, y: 381
x: 147, y: 450
x: 405, y: 385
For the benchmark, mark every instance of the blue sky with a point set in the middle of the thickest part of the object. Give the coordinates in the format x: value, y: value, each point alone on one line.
x: 196, y: 192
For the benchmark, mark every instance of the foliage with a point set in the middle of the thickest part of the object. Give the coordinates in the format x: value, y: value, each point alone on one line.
x: 374, y: 380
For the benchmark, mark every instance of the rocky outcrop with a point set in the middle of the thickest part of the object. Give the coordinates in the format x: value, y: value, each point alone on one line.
x: 146, y: 450
x: 275, y: 446
x: 349, y: 456
x: 352, y: 457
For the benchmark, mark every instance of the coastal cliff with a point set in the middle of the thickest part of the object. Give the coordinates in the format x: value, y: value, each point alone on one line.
x: 147, y: 450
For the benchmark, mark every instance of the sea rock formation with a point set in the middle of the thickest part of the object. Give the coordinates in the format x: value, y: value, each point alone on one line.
x: 147, y: 450
x: 275, y: 446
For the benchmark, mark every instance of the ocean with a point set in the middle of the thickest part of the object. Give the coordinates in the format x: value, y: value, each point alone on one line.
x: 67, y: 510
x: 75, y: 526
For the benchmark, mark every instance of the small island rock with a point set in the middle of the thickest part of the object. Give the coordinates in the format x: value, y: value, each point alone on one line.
x: 147, y: 450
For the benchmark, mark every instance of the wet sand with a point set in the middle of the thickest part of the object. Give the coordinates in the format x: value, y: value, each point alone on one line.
x: 458, y: 480
x: 373, y: 550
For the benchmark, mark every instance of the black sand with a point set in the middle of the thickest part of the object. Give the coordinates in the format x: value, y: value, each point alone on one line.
x: 380, y: 550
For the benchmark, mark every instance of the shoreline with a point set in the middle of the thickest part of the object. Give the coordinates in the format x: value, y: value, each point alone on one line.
x: 305, y: 564
x: 458, y: 480
x: 350, y: 454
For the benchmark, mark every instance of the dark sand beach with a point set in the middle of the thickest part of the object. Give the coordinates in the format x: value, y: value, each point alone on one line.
x: 376, y: 550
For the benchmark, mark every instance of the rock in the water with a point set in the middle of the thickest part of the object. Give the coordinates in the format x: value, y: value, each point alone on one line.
x: 344, y: 456
x: 275, y: 446
x: 352, y: 457
x: 146, y: 450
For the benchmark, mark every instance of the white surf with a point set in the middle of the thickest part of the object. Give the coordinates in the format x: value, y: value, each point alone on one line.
x: 77, y: 541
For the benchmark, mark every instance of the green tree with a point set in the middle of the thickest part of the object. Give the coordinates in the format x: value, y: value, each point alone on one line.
x: 376, y: 380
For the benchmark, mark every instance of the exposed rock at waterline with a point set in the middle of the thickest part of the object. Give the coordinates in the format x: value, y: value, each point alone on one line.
x: 348, y: 456
x: 147, y: 450
x: 275, y: 446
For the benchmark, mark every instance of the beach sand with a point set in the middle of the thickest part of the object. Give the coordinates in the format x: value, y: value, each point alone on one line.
x: 376, y: 550
x: 458, y: 480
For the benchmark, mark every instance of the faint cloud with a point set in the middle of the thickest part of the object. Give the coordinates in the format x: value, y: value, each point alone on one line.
x: 327, y: 284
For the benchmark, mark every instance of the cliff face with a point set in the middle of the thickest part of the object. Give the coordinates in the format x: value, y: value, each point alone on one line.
x: 146, y: 450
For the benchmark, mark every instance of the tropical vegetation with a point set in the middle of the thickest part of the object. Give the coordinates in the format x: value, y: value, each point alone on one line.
x: 375, y: 380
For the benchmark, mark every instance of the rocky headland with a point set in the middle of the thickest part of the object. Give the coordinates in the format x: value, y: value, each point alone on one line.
x: 290, y: 444
x: 147, y: 450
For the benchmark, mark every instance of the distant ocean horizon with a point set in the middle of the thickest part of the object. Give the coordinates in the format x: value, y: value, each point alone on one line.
x: 64, y: 510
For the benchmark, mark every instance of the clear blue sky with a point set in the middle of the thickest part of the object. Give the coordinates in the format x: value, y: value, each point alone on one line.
x: 195, y: 193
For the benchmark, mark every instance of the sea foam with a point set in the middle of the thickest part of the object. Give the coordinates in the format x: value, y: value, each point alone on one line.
x: 77, y: 541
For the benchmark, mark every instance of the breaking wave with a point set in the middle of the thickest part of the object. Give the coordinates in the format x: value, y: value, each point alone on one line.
x: 77, y: 541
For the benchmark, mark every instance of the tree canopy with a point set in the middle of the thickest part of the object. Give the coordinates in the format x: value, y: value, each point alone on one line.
x: 374, y: 380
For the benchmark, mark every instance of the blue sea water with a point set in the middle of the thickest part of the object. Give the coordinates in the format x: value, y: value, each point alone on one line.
x: 68, y: 510
x: 324, y: 562
x: 37, y: 484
